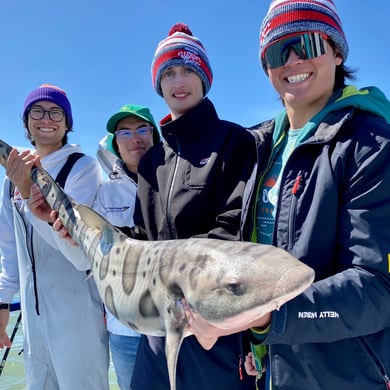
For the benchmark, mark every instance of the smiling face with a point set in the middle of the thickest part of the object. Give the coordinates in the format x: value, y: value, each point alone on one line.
x: 132, y: 149
x: 46, y: 133
x: 305, y: 85
x: 182, y: 89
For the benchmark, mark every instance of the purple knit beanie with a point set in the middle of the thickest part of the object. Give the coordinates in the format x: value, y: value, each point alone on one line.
x: 286, y: 17
x: 53, y: 94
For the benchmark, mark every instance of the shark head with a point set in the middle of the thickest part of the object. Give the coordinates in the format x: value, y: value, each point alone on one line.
x: 237, y: 282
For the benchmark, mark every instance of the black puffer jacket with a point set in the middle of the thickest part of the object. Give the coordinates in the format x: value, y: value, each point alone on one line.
x: 189, y: 185
x: 192, y: 183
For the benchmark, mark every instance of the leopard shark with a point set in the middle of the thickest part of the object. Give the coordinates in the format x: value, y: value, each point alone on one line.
x: 145, y: 283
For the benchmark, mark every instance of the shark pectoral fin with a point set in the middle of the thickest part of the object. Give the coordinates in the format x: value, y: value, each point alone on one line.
x: 206, y: 342
x: 173, y: 341
x: 92, y: 218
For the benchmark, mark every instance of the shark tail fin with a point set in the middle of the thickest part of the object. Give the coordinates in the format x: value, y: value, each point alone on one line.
x: 172, y: 348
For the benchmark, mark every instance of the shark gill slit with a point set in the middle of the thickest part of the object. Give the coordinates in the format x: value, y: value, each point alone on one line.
x: 147, y: 306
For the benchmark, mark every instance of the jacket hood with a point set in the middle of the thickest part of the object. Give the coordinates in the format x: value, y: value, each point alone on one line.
x: 106, y: 155
x: 370, y: 99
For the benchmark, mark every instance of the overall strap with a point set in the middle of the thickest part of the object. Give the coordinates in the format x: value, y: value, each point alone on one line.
x: 67, y: 167
x: 60, y: 179
x: 11, y: 189
x: 62, y: 174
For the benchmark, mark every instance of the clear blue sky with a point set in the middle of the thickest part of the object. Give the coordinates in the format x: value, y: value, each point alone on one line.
x: 100, y: 52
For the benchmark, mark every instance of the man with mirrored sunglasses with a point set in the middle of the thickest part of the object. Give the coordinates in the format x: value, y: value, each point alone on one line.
x: 325, y: 199
x: 321, y: 192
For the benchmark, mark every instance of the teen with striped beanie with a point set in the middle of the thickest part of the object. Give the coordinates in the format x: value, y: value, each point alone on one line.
x: 181, y: 48
x: 199, y: 160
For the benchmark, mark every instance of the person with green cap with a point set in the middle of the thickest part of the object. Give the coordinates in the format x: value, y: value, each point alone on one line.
x: 132, y: 131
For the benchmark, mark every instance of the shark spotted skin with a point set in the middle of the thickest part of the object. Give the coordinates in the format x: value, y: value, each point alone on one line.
x: 144, y: 282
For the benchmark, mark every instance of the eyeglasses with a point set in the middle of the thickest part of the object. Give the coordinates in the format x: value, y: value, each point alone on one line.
x: 306, y: 46
x: 39, y: 113
x: 126, y: 134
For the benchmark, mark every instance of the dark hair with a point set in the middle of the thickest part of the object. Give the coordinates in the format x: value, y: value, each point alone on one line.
x: 28, y: 134
x: 115, y: 146
x: 343, y: 73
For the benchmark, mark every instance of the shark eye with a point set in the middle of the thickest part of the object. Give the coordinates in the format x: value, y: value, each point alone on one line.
x: 236, y: 288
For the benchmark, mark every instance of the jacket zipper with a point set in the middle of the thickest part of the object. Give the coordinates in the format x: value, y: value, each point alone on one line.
x: 269, y: 368
x: 377, y: 363
x: 171, y: 225
x: 294, y: 191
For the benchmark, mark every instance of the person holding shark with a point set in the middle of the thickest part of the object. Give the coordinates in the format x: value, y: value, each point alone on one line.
x: 131, y: 132
x: 65, y: 342
x: 322, y: 194
x: 191, y: 185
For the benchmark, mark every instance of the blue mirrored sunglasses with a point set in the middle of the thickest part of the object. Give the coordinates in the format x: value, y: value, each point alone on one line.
x: 126, y: 134
x: 306, y: 46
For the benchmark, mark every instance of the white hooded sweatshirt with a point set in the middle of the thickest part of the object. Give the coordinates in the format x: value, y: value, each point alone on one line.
x: 66, y: 344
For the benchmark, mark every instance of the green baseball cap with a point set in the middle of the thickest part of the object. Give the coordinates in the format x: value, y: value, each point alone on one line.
x: 137, y: 111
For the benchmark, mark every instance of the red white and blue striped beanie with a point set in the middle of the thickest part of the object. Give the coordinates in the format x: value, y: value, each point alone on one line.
x: 287, y: 17
x: 181, y: 48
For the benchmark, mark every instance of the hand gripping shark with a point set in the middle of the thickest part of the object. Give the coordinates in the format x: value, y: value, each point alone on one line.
x: 143, y: 283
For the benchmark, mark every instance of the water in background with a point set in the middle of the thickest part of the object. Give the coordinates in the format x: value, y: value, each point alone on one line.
x: 12, y: 377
